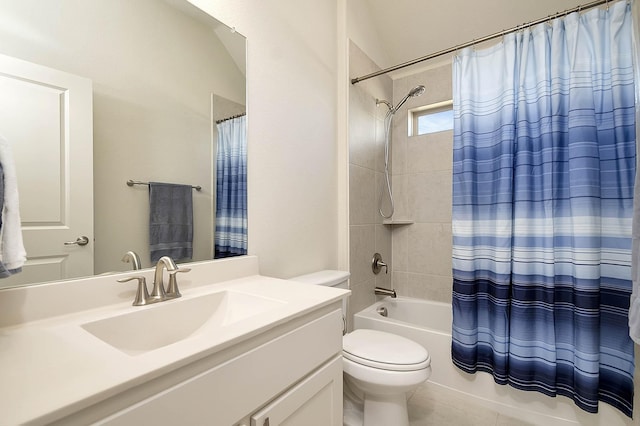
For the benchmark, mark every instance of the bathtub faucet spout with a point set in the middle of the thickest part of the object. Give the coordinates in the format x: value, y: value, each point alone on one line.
x: 385, y: 292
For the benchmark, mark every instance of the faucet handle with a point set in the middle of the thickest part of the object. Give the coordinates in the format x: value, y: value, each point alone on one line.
x: 142, y: 295
x: 377, y: 264
x: 172, y: 288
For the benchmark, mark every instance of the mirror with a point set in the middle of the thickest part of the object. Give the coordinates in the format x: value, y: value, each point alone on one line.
x: 162, y: 73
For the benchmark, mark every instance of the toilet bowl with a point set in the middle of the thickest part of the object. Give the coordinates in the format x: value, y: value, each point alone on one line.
x: 380, y: 369
x: 383, y: 368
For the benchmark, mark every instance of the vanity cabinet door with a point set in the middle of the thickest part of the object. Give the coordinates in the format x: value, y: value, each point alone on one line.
x: 241, y: 385
x: 315, y: 401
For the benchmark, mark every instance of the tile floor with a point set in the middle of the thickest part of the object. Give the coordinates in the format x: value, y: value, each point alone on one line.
x: 433, y: 405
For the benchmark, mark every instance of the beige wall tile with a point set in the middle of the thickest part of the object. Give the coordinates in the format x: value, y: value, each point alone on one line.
x: 422, y: 251
x: 437, y: 82
x: 417, y: 286
x: 428, y: 153
x: 400, y: 88
x: 361, y: 246
x: 400, y: 248
x: 429, y: 196
x: 399, y: 185
x: 362, y: 132
x: 400, y: 280
x: 419, y: 255
x: 362, y: 195
x: 430, y: 287
x: 429, y: 248
x: 380, y: 140
x: 360, y: 64
x: 362, y: 295
x: 383, y: 246
x: 398, y: 147
x: 398, y: 153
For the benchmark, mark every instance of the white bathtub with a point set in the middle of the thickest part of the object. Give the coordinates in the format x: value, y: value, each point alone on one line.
x: 429, y: 323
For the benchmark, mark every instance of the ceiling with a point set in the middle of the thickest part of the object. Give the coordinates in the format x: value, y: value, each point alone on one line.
x: 410, y: 29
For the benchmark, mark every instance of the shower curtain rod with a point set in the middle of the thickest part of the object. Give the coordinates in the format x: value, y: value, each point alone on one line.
x: 480, y: 40
x: 230, y: 118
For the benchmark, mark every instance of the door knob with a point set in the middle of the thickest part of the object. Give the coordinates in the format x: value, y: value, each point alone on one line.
x: 80, y: 241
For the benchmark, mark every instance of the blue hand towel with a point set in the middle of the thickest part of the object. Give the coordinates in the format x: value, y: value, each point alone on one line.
x: 170, y: 221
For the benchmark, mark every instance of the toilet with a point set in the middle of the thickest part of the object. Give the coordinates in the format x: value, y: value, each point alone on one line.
x: 380, y: 369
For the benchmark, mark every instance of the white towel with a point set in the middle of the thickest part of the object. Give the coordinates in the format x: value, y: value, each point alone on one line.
x: 12, y: 252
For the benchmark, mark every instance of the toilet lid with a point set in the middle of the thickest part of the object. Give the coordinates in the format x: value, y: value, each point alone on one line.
x: 386, y: 351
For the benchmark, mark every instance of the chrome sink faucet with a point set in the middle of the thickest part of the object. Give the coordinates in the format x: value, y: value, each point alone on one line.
x: 132, y: 257
x: 172, y: 290
x: 142, y: 295
x: 158, y: 294
x: 158, y: 286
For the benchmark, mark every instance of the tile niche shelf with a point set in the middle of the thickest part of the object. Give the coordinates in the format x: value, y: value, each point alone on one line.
x: 397, y: 222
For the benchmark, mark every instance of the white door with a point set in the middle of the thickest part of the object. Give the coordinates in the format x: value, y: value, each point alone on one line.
x: 46, y: 115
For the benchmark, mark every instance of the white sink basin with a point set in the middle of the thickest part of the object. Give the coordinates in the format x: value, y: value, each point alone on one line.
x: 158, y: 325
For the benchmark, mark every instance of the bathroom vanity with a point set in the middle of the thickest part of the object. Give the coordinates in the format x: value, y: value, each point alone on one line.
x: 237, y: 349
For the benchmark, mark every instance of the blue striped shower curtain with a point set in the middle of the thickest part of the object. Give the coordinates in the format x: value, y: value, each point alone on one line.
x: 231, y: 189
x: 544, y: 165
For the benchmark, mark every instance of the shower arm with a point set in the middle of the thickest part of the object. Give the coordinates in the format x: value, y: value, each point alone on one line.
x: 387, y: 103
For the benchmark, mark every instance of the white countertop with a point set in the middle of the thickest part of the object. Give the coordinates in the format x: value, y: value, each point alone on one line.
x: 52, y: 367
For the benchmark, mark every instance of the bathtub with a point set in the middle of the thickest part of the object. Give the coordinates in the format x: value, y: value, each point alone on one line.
x: 429, y: 323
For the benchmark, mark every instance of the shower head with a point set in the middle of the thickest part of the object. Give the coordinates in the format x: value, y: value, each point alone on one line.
x: 416, y: 91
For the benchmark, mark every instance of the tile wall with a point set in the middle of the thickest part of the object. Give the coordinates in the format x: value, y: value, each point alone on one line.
x: 422, y: 173
x: 367, y: 235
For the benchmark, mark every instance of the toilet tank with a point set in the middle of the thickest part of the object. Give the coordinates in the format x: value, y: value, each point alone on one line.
x: 330, y: 278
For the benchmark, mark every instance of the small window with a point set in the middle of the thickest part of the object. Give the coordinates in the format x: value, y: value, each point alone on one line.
x: 431, y: 118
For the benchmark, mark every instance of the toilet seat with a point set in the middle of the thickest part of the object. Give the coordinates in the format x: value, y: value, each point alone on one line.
x: 385, y: 351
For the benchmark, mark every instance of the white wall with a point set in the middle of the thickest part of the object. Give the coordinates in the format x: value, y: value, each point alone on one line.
x: 153, y: 73
x: 292, y: 127
x: 362, y: 31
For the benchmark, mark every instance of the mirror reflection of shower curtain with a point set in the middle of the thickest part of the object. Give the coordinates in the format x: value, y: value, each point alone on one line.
x: 231, y: 189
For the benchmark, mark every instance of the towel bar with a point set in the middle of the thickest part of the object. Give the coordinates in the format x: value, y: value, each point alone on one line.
x: 136, y: 182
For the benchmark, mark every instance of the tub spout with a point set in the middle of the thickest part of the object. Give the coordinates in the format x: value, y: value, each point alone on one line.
x: 385, y: 292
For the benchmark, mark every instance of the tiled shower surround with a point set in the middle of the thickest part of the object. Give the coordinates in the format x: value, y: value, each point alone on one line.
x: 367, y: 234
x: 418, y: 254
x: 422, y: 178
